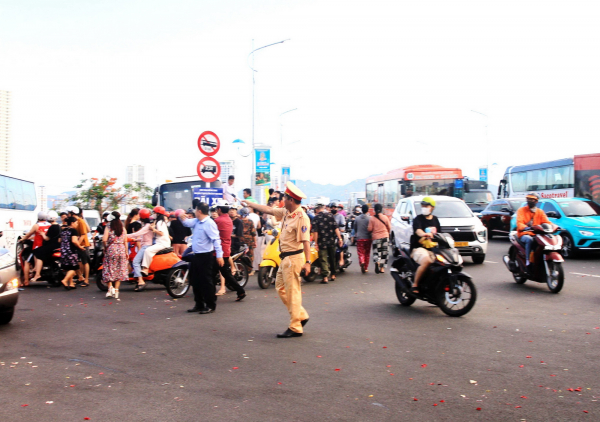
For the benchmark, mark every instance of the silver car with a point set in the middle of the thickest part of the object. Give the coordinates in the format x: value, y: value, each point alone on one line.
x: 9, y: 286
x: 456, y: 219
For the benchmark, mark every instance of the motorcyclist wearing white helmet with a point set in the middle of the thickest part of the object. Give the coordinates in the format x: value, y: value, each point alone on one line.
x: 40, y: 227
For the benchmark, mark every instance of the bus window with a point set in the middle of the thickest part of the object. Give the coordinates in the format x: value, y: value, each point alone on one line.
x: 14, y: 194
x: 391, y: 193
x: 29, y: 196
x: 559, y: 178
x: 379, y: 196
x: 518, y: 182
x: 370, y: 192
x: 536, y: 180
x: 3, y: 200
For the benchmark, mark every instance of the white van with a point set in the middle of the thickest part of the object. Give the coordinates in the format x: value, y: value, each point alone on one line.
x: 456, y: 218
x: 92, y: 217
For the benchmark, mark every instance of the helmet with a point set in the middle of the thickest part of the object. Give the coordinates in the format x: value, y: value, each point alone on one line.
x: 244, y: 212
x: 73, y: 209
x: 160, y: 210
x: 532, y: 195
x: 144, y: 214
x: 52, y: 216
x: 332, y: 205
x: 42, y: 216
x: 428, y: 200
x: 341, y: 205
x: 105, y: 213
x: 222, y: 203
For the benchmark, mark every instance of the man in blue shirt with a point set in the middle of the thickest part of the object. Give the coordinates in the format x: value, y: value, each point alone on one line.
x: 206, y: 242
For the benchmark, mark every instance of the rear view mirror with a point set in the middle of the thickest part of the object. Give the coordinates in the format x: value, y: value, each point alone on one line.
x: 504, y: 209
x: 402, y: 189
x: 552, y: 214
x: 405, y: 217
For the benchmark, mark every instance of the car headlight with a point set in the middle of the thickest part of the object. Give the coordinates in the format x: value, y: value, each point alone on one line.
x: 482, y: 235
x: 12, y: 284
x: 586, y: 233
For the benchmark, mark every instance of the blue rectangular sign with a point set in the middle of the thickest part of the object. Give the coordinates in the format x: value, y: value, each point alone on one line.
x: 263, y: 167
x: 208, y: 195
x: 483, y: 176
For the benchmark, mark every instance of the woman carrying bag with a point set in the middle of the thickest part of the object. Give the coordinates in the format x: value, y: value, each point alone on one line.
x: 380, y: 228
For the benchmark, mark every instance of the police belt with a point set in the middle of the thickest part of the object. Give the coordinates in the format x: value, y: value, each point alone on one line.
x: 284, y: 254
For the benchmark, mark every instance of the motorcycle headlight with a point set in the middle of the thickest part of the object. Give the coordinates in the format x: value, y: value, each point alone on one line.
x: 482, y: 235
x: 586, y: 233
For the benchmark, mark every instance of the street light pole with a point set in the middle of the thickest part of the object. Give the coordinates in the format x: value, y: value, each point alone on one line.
x: 487, y: 145
x: 253, y: 89
x: 281, y: 160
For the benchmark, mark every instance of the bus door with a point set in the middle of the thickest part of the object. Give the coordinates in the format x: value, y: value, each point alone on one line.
x: 380, y: 193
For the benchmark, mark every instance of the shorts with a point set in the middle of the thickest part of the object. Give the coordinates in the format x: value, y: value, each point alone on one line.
x: 420, y: 255
x: 84, y: 256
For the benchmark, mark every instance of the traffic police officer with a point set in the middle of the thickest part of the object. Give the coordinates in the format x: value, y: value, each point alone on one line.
x: 294, y: 246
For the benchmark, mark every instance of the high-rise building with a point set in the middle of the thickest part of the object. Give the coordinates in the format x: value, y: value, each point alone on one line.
x: 227, y: 169
x: 42, y: 198
x: 135, y: 173
x: 4, y: 131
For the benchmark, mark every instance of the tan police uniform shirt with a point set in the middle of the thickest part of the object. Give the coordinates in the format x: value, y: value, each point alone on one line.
x: 295, y: 228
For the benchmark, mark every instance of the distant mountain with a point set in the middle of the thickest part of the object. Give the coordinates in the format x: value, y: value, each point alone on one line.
x: 341, y: 193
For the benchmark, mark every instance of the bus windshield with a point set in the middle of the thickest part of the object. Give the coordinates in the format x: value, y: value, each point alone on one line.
x: 580, y: 208
x: 448, y: 209
x: 478, y: 197
x: 175, y: 196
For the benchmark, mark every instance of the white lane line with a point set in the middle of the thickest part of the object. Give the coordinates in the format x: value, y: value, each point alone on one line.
x: 586, y: 275
x: 491, y: 262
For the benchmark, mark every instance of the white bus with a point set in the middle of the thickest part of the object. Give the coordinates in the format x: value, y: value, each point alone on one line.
x: 551, y: 179
x: 18, y: 211
x: 180, y: 192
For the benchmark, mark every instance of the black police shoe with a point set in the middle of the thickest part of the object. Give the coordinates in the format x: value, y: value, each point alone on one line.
x: 289, y: 333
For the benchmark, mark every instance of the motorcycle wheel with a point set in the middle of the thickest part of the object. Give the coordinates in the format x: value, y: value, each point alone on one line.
x: 103, y: 287
x: 403, y: 298
x: 241, y: 274
x: 459, y: 302
x: 264, y: 279
x: 519, y: 277
x: 18, y: 252
x: 555, y: 281
x: 178, y: 283
x: 55, y: 277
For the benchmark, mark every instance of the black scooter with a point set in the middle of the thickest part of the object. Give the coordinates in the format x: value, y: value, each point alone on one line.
x: 51, y: 271
x: 445, y: 285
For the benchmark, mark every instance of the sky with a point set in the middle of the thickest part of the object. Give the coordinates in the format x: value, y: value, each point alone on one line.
x: 377, y: 85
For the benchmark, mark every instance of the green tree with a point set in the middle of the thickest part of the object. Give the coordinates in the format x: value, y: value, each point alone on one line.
x: 103, y: 194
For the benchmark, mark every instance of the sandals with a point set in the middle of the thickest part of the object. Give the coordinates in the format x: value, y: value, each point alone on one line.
x: 415, y: 291
x: 84, y: 284
x: 140, y: 287
x: 221, y: 293
x: 240, y: 297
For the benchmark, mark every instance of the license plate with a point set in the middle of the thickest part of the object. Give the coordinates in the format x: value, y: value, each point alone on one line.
x: 461, y: 244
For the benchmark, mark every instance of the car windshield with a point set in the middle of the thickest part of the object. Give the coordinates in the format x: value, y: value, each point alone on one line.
x: 517, y: 204
x: 448, y: 209
x: 478, y: 197
x: 580, y: 208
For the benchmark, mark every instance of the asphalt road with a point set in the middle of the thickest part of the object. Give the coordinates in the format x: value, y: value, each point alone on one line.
x: 73, y: 355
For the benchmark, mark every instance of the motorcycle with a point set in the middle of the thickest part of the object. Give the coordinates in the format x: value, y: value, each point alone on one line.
x: 270, y: 262
x: 167, y: 269
x: 545, y: 260
x: 444, y: 285
x: 343, y: 250
x: 241, y: 262
x: 51, y: 271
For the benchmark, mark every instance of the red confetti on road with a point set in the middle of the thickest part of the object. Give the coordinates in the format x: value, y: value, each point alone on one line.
x: 479, y: 408
x: 385, y: 347
x: 141, y: 313
x: 415, y: 399
x: 523, y: 397
x: 528, y: 357
x: 424, y: 365
x: 517, y: 407
x: 442, y: 401
x: 235, y: 367
x: 24, y: 405
x: 435, y: 404
x: 337, y: 369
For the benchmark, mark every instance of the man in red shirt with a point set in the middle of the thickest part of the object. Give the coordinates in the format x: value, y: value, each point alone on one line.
x: 225, y: 226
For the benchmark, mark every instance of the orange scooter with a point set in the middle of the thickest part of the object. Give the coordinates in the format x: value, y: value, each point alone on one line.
x: 166, y: 268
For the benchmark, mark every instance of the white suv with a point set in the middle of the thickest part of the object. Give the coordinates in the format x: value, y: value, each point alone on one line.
x: 470, y: 235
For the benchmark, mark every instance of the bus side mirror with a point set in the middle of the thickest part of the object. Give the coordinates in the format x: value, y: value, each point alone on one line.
x: 403, y: 190
x: 155, y: 197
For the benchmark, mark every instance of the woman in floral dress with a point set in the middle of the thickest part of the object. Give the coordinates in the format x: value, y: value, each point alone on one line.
x: 115, y: 266
x: 69, y: 247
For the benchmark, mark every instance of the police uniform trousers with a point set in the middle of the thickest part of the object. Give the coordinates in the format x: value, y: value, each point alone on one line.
x: 201, y: 279
x: 289, y: 287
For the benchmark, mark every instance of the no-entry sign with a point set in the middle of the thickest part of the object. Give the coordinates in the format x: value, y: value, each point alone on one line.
x: 208, y: 169
x: 209, y: 143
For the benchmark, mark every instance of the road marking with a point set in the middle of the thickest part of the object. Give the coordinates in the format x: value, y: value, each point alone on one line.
x: 491, y: 262
x: 587, y: 275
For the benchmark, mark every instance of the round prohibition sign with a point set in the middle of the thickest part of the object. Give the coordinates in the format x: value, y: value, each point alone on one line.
x: 209, y: 143
x: 208, y: 169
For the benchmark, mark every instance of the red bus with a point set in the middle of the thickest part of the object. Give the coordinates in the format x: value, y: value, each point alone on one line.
x: 425, y: 179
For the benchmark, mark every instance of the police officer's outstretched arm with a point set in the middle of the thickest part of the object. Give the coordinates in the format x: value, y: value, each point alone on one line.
x: 258, y: 207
